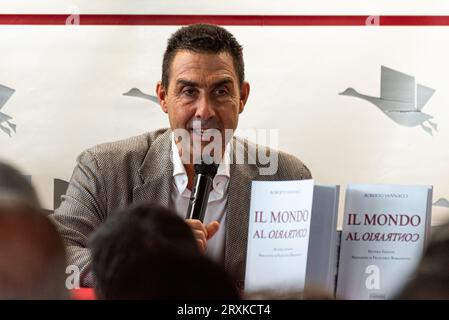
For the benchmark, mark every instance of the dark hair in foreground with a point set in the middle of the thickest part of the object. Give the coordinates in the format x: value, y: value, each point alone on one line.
x: 148, y: 252
x: 431, y: 280
x: 203, y: 38
x: 32, y: 256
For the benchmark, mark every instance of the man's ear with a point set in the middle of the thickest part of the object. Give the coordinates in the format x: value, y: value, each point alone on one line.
x: 162, y: 96
x: 244, y: 93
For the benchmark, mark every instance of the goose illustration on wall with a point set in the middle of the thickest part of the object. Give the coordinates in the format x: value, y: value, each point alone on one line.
x: 401, y: 99
x: 134, y: 92
x: 441, y: 202
x: 5, y: 94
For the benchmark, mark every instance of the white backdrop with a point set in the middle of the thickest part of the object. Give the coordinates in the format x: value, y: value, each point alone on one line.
x: 69, y: 82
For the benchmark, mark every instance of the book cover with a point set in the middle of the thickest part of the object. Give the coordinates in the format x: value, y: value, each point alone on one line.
x: 278, y: 236
x: 384, y: 234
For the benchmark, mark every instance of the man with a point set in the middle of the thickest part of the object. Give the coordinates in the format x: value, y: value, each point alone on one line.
x: 148, y: 252
x: 202, y: 91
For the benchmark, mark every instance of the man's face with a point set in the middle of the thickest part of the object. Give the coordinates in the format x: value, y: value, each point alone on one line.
x: 203, y: 91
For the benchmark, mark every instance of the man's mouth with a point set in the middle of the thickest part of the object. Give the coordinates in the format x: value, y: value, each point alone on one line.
x: 205, y: 135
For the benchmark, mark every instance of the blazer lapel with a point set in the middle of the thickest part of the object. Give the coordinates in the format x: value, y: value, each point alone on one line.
x: 156, y: 173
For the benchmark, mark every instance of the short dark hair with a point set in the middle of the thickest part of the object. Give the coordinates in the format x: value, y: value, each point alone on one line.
x: 203, y: 38
x: 148, y: 252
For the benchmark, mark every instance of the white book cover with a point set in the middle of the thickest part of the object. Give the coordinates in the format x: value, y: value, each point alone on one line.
x: 384, y: 234
x: 322, y: 258
x: 278, y: 236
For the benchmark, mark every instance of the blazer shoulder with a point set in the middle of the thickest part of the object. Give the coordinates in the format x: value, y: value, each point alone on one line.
x: 291, y: 166
x: 130, y: 150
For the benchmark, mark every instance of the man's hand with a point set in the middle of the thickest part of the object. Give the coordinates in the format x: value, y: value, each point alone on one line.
x: 202, y: 232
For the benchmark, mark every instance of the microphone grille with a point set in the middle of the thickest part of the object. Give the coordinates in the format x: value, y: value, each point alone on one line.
x: 206, y: 169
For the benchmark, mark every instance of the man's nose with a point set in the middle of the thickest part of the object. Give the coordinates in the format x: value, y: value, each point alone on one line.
x: 204, y: 109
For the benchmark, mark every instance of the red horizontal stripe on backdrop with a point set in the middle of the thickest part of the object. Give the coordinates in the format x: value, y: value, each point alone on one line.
x: 229, y: 20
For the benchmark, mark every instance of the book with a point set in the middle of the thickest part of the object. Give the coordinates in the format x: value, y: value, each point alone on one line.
x: 324, y: 240
x: 385, y: 229
x: 278, y: 236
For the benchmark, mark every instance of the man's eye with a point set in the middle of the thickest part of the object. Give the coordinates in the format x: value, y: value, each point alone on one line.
x: 189, y: 92
x: 221, y: 92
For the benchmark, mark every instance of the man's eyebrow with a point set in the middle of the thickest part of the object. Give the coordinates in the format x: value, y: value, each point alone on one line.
x: 189, y: 83
x: 182, y: 82
x: 222, y: 82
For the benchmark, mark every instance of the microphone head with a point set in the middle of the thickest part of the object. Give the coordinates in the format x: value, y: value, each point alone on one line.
x: 206, y: 169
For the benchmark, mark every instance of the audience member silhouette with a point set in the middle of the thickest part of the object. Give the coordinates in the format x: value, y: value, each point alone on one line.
x: 32, y: 256
x: 431, y: 280
x: 148, y: 252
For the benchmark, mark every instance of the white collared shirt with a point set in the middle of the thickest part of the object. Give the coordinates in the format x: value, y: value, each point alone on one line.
x: 216, y: 205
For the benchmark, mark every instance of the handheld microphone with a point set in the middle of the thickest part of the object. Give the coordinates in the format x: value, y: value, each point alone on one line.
x: 204, y: 175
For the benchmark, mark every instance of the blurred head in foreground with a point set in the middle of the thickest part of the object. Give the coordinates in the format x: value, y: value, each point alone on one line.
x: 148, y: 252
x: 32, y: 256
x: 431, y: 280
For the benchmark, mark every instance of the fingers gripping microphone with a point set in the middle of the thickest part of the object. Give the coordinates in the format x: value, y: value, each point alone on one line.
x: 204, y: 175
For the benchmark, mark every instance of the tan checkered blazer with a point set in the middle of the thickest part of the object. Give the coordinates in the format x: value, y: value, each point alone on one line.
x: 111, y: 176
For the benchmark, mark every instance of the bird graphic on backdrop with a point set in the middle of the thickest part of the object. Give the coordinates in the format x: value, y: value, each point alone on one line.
x: 134, y: 92
x: 401, y: 99
x: 441, y: 202
x: 5, y: 120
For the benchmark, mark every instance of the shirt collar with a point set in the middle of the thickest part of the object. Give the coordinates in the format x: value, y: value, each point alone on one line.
x: 221, y: 179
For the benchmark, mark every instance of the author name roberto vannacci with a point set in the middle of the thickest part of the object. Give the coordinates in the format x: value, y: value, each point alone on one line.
x: 386, y: 195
